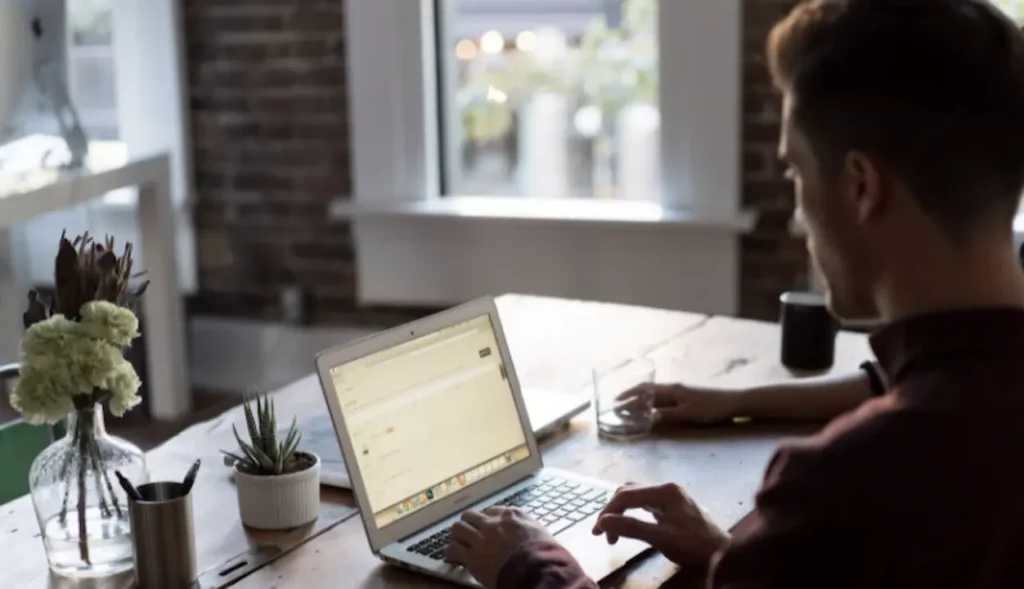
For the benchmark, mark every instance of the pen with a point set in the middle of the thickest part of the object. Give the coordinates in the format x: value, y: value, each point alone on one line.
x: 133, y: 494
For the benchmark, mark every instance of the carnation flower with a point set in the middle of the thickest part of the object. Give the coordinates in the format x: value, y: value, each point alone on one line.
x: 41, y: 396
x: 123, y: 384
x: 63, y: 359
x: 105, y: 320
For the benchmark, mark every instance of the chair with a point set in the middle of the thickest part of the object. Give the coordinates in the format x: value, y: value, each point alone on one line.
x: 20, y: 443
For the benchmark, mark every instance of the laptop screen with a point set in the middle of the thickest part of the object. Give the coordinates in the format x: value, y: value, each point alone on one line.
x: 429, y: 417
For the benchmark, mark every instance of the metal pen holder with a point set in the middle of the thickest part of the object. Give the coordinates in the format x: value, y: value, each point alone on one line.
x: 163, y: 537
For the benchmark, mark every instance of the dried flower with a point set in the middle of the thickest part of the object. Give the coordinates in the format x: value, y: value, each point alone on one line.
x: 86, y: 271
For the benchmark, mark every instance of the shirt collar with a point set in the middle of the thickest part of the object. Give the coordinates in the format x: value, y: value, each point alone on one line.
x: 967, y: 335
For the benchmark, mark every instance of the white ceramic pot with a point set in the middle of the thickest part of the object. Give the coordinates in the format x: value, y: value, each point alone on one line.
x: 279, y: 502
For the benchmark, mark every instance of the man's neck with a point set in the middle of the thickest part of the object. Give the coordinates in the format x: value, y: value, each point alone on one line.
x: 988, y: 275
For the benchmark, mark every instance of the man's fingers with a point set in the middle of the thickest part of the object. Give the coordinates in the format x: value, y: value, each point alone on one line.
x: 633, y: 405
x: 499, y: 510
x: 639, y: 395
x: 616, y: 526
x: 660, y: 497
x: 675, y: 413
x: 466, y: 534
x: 458, y: 553
x: 475, y: 519
x: 637, y: 391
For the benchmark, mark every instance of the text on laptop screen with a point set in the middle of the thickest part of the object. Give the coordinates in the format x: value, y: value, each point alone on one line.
x: 429, y: 417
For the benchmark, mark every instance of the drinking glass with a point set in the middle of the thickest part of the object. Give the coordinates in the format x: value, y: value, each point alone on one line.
x: 624, y: 406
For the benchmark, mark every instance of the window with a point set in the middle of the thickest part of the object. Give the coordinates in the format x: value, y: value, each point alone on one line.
x: 120, y: 64
x: 78, y: 61
x: 550, y: 98
x: 445, y: 206
x: 1014, y: 8
x: 90, y: 66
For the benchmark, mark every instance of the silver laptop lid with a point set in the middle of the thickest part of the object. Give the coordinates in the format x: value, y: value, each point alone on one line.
x: 429, y: 417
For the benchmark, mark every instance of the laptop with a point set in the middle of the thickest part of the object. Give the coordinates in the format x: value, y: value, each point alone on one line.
x: 432, y: 422
x: 549, y: 411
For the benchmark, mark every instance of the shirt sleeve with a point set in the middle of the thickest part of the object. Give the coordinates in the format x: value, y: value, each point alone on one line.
x: 543, y: 565
x: 798, y: 535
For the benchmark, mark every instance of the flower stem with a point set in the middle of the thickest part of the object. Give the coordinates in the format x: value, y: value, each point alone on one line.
x: 102, y: 472
x: 94, y: 459
x: 65, y: 475
x: 83, y: 534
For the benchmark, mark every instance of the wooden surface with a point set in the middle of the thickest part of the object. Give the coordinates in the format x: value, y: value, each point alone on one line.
x: 219, y: 533
x: 554, y: 345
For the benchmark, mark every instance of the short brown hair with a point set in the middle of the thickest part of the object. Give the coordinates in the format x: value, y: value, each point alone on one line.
x: 934, y: 88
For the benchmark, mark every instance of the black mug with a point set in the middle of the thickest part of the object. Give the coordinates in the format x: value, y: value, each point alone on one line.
x: 808, y: 332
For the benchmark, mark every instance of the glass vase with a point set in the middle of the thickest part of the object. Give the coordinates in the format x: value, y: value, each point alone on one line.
x: 81, y: 508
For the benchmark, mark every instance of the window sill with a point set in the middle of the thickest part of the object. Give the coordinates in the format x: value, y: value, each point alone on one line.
x: 446, y: 251
x: 797, y: 229
x: 566, y: 211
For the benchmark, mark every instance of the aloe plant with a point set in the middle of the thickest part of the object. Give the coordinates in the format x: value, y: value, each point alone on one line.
x: 264, y: 454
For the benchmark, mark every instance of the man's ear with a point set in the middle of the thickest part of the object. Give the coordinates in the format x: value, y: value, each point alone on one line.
x: 863, y: 185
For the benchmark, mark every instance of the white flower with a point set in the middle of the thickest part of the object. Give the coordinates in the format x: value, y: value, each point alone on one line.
x: 123, y: 385
x: 40, y: 396
x: 61, y: 359
x: 105, y: 320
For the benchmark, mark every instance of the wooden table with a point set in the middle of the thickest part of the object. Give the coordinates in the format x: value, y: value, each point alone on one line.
x: 554, y: 344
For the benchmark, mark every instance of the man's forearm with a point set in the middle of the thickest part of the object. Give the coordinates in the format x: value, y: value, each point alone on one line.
x: 812, y: 399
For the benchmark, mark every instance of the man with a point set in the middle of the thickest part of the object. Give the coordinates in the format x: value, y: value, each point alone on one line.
x: 903, y: 132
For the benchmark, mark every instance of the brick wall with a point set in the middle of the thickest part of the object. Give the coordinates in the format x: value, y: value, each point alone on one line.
x: 268, y: 102
x: 268, y: 108
x: 772, y: 261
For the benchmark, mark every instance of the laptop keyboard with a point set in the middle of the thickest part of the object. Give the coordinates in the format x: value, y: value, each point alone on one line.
x: 557, y: 503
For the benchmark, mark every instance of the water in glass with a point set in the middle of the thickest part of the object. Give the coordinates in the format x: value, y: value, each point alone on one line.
x: 623, y: 405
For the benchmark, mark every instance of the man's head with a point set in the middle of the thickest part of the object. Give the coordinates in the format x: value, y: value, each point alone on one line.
x: 903, y: 130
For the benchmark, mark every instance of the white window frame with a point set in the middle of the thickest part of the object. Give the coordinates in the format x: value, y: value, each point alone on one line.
x: 1011, y: 7
x: 152, y: 114
x: 414, y: 247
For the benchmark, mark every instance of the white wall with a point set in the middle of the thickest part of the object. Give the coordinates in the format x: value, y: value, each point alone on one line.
x: 152, y: 116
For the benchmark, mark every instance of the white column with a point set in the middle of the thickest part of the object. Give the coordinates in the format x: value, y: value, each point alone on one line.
x: 700, y: 94
x: 544, y: 147
x: 15, y: 282
x: 152, y: 90
x: 639, y: 152
x: 390, y: 48
x: 169, y: 383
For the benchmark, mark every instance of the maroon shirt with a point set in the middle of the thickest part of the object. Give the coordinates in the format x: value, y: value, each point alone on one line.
x: 922, y: 487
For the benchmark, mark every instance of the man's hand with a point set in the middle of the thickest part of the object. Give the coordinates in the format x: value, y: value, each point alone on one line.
x: 683, y: 532
x: 483, y: 542
x: 676, y: 403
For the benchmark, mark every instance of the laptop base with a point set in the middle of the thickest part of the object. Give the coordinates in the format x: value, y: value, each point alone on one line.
x: 597, y: 558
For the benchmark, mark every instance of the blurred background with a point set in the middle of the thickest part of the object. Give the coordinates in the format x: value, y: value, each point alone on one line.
x: 639, y: 135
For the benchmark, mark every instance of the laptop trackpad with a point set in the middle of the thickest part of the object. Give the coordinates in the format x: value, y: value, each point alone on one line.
x: 597, y: 557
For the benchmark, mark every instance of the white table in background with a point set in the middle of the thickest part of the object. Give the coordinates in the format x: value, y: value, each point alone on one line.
x: 168, y: 380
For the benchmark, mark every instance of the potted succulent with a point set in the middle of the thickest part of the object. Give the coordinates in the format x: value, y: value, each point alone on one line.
x: 278, y: 485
